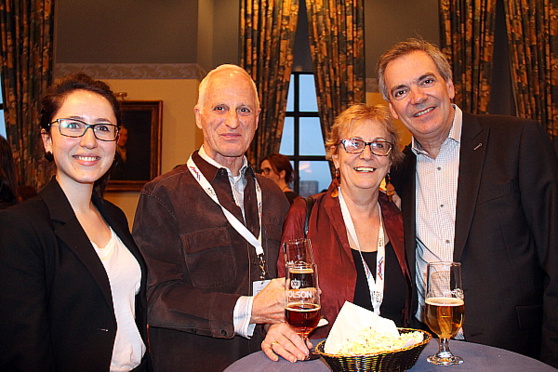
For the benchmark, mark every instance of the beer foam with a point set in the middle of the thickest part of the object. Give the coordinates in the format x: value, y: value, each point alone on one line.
x: 444, y: 301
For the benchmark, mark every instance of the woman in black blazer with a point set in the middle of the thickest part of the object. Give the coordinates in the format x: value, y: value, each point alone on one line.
x: 72, y: 281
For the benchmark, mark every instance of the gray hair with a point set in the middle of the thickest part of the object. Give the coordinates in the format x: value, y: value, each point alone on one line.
x: 205, y: 82
x: 406, y: 47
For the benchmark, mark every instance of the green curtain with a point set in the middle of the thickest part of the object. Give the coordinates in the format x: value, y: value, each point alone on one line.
x: 27, y: 48
x: 336, y: 29
x: 533, y: 38
x: 267, y: 33
x: 467, y: 39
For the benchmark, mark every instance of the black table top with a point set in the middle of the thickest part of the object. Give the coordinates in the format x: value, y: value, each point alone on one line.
x: 476, y: 357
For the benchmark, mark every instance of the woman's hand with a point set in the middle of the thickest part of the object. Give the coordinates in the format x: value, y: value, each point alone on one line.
x: 282, y: 340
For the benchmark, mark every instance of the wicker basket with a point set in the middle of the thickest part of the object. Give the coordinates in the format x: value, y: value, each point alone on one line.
x: 397, y: 360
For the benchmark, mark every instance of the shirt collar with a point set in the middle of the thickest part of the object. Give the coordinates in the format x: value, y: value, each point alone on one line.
x: 453, y: 135
x: 212, y: 161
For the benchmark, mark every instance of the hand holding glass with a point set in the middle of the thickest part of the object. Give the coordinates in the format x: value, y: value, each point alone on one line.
x: 445, y: 308
x: 302, y: 307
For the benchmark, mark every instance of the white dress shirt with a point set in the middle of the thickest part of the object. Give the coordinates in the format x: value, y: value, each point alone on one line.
x: 436, y: 199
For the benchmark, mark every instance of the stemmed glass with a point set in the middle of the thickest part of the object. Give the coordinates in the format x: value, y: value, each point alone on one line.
x: 302, y: 305
x: 298, y: 251
x: 445, y: 308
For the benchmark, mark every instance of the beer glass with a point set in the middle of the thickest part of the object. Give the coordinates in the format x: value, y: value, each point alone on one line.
x: 302, y: 305
x: 445, y: 307
x: 298, y: 251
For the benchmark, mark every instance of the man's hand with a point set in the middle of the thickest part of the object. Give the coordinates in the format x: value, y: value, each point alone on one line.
x: 282, y: 340
x: 269, y: 304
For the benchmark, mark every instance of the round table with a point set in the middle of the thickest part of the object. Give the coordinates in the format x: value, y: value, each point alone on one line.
x: 476, y: 357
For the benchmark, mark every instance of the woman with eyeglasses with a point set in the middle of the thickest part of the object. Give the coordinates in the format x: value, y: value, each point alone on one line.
x: 278, y: 168
x: 356, y: 232
x: 72, y: 281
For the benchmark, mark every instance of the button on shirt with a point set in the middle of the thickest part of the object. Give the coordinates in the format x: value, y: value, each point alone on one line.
x: 243, y: 307
x: 436, y: 190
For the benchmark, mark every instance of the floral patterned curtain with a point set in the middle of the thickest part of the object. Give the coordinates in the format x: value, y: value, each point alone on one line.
x: 467, y: 38
x: 533, y: 38
x: 267, y: 33
x: 336, y: 29
x: 27, y: 37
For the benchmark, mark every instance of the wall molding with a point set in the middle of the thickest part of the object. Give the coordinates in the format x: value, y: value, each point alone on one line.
x: 132, y: 70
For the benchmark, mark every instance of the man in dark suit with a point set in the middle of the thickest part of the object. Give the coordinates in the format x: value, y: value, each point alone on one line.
x: 481, y: 190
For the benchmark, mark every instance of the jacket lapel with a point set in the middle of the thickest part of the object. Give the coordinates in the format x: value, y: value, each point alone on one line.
x: 70, y: 232
x: 404, y: 176
x: 473, y: 148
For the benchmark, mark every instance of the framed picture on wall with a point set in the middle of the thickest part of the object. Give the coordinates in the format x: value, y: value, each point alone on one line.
x: 138, y: 148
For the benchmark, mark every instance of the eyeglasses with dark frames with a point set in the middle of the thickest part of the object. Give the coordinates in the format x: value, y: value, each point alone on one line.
x: 356, y: 146
x: 75, y: 128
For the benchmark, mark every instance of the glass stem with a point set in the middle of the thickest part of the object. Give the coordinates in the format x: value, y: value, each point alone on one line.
x: 444, y: 351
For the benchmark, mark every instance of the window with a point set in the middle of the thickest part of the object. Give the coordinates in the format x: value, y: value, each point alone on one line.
x: 2, y: 124
x: 302, y: 139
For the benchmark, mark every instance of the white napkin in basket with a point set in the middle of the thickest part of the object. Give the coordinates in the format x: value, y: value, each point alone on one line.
x: 350, y: 321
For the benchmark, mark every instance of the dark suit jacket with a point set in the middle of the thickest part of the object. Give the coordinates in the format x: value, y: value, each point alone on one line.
x: 506, y: 233
x: 332, y: 251
x: 56, y: 311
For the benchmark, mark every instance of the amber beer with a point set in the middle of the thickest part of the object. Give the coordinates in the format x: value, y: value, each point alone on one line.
x: 303, y: 317
x: 444, y: 315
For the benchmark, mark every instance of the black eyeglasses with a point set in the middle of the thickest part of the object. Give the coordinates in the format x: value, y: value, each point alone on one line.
x: 76, y: 128
x: 356, y: 146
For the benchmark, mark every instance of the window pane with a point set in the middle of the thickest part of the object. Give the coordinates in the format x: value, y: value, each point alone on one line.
x: 307, y: 100
x: 2, y: 124
x: 311, y: 140
x: 314, y: 177
x: 287, y: 138
x: 290, y: 95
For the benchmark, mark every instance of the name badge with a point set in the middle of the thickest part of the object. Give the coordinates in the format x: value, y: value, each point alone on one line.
x: 258, y: 285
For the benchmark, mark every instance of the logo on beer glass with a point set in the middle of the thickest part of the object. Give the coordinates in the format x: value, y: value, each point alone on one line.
x: 301, y: 294
x: 295, y: 284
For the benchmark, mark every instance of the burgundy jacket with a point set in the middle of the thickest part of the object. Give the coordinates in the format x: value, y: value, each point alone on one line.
x: 332, y: 252
x: 199, y: 265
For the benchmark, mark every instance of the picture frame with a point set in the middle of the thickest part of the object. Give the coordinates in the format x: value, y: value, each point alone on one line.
x: 138, y: 153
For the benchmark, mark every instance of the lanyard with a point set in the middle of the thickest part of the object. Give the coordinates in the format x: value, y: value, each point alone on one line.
x: 376, y: 287
x: 235, y: 223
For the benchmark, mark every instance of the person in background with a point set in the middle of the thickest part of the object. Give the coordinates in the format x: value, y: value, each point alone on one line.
x: 8, y: 182
x: 354, y: 229
x: 210, y: 231
x: 278, y: 168
x: 481, y: 190
x: 72, y: 281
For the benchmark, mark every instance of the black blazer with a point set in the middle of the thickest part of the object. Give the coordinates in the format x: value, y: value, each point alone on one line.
x: 506, y: 234
x: 56, y: 310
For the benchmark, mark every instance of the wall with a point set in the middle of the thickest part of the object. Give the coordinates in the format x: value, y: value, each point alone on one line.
x: 180, y: 134
x: 159, y: 50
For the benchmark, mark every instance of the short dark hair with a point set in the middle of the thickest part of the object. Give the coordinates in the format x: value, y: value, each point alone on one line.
x: 280, y: 163
x: 57, y: 94
x: 68, y: 84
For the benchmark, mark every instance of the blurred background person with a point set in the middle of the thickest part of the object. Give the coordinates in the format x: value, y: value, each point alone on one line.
x: 354, y: 229
x: 72, y: 288
x: 8, y: 180
x: 278, y: 168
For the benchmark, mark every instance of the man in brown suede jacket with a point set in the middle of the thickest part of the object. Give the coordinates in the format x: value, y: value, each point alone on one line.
x: 210, y: 231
